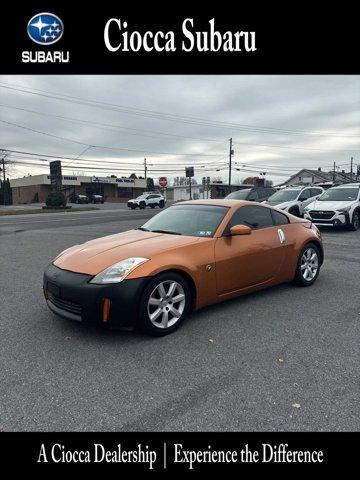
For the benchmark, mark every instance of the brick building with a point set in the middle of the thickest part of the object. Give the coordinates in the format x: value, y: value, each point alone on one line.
x: 35, y: 188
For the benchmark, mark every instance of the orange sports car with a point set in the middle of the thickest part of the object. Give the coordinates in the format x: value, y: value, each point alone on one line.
x: 192, y: 254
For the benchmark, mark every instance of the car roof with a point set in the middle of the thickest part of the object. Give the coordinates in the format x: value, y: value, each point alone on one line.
x: 219, y: 202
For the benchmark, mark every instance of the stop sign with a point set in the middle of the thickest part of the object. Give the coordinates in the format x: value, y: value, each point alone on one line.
x: 163, y: 182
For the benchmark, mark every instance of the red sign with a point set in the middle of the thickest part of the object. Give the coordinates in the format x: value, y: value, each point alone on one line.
x: 163, y: 182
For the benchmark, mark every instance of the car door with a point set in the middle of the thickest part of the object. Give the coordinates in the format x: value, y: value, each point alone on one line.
x: 246, y: 260
x: 151, y: 199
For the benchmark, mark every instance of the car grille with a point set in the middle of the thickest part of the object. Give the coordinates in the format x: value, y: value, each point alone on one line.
x: 321, y: 215
x: 66, y: 305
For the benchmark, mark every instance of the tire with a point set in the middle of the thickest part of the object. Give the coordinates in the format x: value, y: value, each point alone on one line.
x: 164, y: 320
x: 308, y: 266
x: 355, y: 223
x: 161, y: 204
x: 142, y: 205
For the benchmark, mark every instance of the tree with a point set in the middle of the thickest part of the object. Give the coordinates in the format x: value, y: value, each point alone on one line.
x: 56, y: 199
x: 6, y: 164
x: 251, y: 180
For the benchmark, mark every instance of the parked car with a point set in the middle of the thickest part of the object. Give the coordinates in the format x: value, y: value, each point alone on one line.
x: 255, y: 194
x: 190, y: 255
x: 294, y: 199
x: 79, y: 199
x: 144, y: 200
x: 337, y: 206
x: 96, y: 199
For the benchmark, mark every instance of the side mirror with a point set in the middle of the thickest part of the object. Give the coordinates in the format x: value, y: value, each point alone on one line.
x: 240, y: 230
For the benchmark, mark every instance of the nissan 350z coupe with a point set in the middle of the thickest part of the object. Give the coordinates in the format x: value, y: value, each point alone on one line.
x: 188, y: 256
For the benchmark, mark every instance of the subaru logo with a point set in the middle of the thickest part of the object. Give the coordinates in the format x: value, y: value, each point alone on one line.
x: 45, y: 28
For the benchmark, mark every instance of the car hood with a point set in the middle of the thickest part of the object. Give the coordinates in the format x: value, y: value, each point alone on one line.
x: 96, y: 255
x: 280, y: 204
x: 326, y: 205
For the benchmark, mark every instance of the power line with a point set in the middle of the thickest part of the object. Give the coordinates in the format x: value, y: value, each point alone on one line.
x: 107, y: 147
x: 166, y: 116
x: 112, y: 127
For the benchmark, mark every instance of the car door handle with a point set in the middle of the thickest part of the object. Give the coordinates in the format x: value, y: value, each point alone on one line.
x: 281, y: 235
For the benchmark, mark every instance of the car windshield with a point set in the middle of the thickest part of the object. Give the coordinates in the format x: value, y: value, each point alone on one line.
x: 140, y: 196
x: 239, y: 194
x: 339, y: 194
x: 194, y: 220
x: 284, y: 196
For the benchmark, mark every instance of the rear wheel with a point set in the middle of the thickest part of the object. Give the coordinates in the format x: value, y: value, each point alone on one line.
x: 355, y: 223
x: 161, y: 204
x: 142, y: 205
x: 308, y: 266
x: 164, y: 304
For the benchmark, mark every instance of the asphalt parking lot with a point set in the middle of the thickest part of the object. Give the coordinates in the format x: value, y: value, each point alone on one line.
x: 286, y: 358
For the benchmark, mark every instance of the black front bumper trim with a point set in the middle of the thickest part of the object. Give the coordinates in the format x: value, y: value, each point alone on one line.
x: 75, y: 288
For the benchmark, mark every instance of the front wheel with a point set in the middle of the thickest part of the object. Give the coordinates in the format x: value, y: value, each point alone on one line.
x: 308, y: 266
x: 355, y: 223
x: 165, y: 303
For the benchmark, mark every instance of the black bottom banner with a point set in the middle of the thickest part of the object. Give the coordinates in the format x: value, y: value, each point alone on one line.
x: 170, y: 452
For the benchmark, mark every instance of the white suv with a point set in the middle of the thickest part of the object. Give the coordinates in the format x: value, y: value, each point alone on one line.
x: 147, y: 200
x: 294, y: 199
x: 337, y: 206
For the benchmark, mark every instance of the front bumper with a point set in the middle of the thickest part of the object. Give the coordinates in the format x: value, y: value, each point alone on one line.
x: 329, y: 219
x: 71, y: 296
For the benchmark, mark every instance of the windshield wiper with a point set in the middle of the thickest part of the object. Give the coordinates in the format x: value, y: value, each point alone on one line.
x: 167, y: 231
x: 143, y: 229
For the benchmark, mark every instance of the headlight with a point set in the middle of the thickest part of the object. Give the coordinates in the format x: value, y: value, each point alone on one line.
x: 117, y: 272
x: 343, y: 210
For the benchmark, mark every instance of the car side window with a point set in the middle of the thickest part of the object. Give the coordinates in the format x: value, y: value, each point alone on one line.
x: 253, y: 216
x: 304, y: 195
x: 279, y: 218
x: 315, y: 191
x: 253, y: 195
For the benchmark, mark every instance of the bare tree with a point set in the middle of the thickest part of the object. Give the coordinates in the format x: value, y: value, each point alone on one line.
x: 6, y: 164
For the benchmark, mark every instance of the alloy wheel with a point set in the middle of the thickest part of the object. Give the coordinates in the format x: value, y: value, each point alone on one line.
x: 166, y: 304
x: 309, y: 264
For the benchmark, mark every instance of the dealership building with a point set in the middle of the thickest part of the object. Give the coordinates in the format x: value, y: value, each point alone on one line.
x: 35, y: 188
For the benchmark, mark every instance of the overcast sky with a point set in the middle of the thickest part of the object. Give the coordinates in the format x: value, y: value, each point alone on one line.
x: 278, y: 123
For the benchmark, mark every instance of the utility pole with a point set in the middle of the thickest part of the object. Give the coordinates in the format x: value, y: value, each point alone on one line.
x: 145, y: 168
x: 351, y: 168
x: 334, y: 172
x: 4, y: 176
x: 231, y: 153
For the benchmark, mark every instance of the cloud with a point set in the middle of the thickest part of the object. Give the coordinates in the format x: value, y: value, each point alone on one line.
x: 265, y: 115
